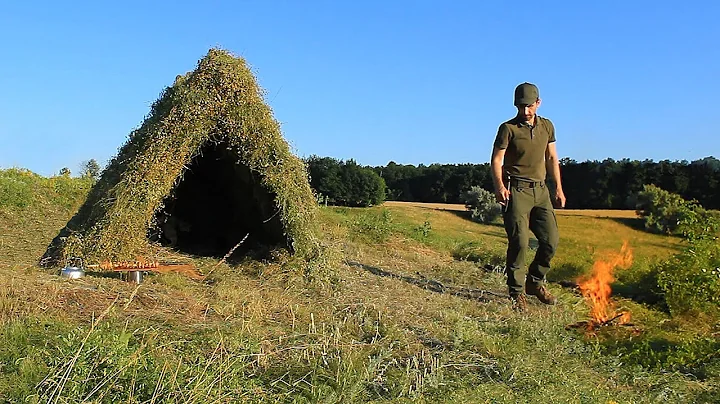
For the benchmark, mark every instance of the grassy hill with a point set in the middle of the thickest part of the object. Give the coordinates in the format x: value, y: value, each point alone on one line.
x: 415, y: 311
x: 32, y: 211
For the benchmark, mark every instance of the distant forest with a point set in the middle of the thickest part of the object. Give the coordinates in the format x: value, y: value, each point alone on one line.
x: 607, y: 184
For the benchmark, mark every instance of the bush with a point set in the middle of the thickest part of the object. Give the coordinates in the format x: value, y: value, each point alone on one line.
x: 663, y: 211
x: 16, y: 187
x: 423, y: 231
x: 373, y: 225
x: 695, y: 356
x: 691, y: 279
x: 482, y: 205
x: 700, y: 224
x: 23, y: 189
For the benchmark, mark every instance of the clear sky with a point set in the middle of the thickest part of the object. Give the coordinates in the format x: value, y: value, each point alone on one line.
x: 408, y: 81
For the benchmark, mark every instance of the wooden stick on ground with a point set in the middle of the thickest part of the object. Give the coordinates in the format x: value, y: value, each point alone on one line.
x: 186, y: 269
x: 607, y: 322
x: 232, y: 250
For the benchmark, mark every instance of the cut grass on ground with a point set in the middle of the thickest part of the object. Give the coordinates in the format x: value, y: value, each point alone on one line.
x: 392, y: 327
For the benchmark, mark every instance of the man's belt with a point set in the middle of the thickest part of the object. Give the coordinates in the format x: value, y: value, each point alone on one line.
x: 515, y: 182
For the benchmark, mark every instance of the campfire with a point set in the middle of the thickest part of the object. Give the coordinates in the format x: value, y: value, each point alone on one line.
x: 596, y: 290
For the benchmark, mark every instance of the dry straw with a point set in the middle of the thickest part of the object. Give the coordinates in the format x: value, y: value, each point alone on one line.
x: 219, y: 102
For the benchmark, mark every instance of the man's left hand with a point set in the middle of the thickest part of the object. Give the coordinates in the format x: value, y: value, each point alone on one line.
x: 559, y: 199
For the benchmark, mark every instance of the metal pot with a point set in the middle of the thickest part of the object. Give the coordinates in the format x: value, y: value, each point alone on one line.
x: 73, y: 269
x: 135, y: 276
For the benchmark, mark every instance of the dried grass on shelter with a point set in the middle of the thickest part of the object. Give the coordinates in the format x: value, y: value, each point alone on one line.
x: 208, y: 166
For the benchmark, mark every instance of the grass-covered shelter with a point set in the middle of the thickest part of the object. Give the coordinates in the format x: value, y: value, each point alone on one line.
x: 207, y: 167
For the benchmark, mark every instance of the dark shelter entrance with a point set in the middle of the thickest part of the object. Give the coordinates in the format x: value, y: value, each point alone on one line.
x: 216, y: 204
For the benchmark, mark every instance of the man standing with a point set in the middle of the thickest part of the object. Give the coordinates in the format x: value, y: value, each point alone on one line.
x: 523, y: 153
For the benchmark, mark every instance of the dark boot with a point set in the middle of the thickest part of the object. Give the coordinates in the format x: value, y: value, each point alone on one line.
x: 519, y: 302
x: 540, y: 291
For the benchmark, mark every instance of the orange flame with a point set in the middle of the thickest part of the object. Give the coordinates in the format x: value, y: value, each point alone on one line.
x: 625, y: 318
x: 596, y: 288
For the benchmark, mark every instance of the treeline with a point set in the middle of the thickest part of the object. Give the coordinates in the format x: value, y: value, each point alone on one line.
x: 345, y: 182
x: 607, y: 184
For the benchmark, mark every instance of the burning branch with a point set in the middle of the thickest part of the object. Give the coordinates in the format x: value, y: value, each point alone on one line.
x: 608, y: 322
x: 596, y: 289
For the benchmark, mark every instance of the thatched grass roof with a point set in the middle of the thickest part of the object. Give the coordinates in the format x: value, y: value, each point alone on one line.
x: 218, y: 109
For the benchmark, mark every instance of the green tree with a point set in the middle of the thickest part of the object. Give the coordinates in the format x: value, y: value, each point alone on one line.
x: 345, y: 183
x: 90, y: 169
x: 325, y: 177
x: 606, y: 184
x: 397, y: 179
x: 363, y: 186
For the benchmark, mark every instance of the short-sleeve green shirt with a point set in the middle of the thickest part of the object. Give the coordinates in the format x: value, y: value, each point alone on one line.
x: 525, y: 147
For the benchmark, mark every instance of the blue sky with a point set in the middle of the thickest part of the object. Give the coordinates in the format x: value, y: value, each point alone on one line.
x: 408, y: 81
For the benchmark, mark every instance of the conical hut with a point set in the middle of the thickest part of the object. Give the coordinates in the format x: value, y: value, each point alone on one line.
x: 207, y: 167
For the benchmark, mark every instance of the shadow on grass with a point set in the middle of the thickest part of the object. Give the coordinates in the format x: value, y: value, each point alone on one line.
x: 565, y: 273
x: 476, y: 252
x: 467, y: 216
x: 634, y: 223
x: 699, y: 357
x: 107, y: 274
x: 463, y: 214
x: 484, y: 296
x: 642, y: 287
x: 638, y: 224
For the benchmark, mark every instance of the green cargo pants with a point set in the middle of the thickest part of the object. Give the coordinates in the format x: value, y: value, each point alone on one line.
x: 529, y: 209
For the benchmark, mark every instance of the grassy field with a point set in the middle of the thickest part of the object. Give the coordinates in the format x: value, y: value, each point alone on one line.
x: 415, y: 311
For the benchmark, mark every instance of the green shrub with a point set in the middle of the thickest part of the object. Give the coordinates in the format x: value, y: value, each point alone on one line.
x: 373, y: 225
x: 700, y: 224
x: 640, y: 283
x: 21, y: 189
x: 693, y: 355
x: 423, y: 231
x: 663, y: 211
x: 482, y: 205
x: 691, y: 279
x: 16, y: 187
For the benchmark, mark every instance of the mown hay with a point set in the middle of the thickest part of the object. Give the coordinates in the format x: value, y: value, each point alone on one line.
x: 211, y: 156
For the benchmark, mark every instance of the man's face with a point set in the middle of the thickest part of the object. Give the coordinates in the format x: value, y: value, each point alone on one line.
x: 528, y: 111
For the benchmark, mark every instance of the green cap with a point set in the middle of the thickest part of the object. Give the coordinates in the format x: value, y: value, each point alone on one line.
x: 526, y: 94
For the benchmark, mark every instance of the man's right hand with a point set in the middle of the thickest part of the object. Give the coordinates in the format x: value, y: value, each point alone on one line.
x: 502, y: 195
